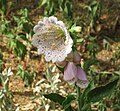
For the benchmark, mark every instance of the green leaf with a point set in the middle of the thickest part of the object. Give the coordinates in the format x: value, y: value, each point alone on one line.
x: 85, y: 92
x: 99, y: 93
x: 21, y: 48
x: 88, y: 63
x: 43, y: 2
x: 60, y: 68
x: 91, y: 46
x: 69, y: 109
x: 1, y: 62
x: 60, y: 99
x: 27, y: 27
x: 17, y: 19
x: 55, y: 97
x: 85, y: 106
x: 92, y: 38
x: 79, y: 40
x: 22, y: 36
x: 12, y: 43
x: 67, y: 101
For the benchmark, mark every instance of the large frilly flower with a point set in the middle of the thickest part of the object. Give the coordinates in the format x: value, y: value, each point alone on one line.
x: 52, y: 39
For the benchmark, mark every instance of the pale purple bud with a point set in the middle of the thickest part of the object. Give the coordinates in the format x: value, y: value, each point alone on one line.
x: 70, y: 56
x: 69, y: 72
x: 76, y: 57
x: 81, y: 78
x: 62, y: 64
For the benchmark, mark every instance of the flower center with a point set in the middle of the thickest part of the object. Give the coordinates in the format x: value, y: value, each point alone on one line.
x: 57, y: 30
x: 58, y: 36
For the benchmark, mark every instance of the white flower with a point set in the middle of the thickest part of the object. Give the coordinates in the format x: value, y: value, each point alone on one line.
x: 52, y: 39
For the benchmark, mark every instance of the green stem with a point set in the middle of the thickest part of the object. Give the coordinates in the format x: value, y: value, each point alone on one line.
x: 78, y: 98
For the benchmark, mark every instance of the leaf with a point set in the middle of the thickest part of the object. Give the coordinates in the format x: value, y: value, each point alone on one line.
x: 79, y: 40
x: 60, y: 68
x: 91, y: 46
x: 85, y: 106
x: 69, y: 109
x: 99, y: 93
x: 55, y: 97
x: 92, y: 38
x: 68, y: 9
x: 22, y: 36
x: 12, y: 43
x: 59, y: 99
x: 85, y: 92
x: 43, y: 2
x: 21, y: 49
x: 88, y: 63
x: 67, y: 101
x: 1, y: 62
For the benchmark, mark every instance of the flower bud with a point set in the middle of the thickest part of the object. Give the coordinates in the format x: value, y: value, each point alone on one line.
x: 70, y: 56
x: 61, y: 64
x: 81, y: 78
x: 69, y: 72
x: 76, y: 57
x: 78, y: 28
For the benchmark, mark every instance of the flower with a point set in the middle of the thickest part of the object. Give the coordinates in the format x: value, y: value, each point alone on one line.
x: 76, y: 57
x: 73, y: 73
x: 52, y: 39
x: 69, y: 73
x: 81, y: 78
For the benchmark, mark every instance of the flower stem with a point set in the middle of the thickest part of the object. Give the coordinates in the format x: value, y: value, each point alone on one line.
x: 78, y: 98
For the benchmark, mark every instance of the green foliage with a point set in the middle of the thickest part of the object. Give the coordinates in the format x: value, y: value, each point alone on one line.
x: 3, y: 6
x: 94, y: 12
x: 52, y: 5
x: 85, y: 93
x: 88, y: 63
x: 18, y: 47
x: 90, y: 95
x: 18, y: 34
x: 6, y: 103
x: 65, y: 102
x: 55, y: 97
x: 23, y: 21
x: 99, y: 93
x: 4, y: 26
x: 48, y: 88
x: 26, y: 76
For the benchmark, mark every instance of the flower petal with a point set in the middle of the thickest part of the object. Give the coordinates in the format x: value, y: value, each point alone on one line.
x: 46, y: 20
x: 53, y: 19
x: 48, y: 56
x: 61, y: 24
x: 82, y: 84
x: 69, y: 72
x: 39, y: 27
x: 81, y: 78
